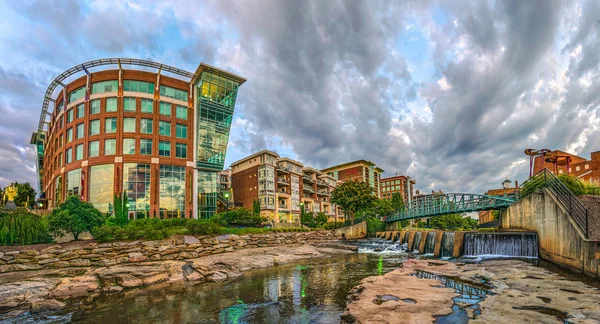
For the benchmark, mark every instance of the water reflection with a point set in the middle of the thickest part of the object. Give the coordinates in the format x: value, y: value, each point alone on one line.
x: 305, y: 293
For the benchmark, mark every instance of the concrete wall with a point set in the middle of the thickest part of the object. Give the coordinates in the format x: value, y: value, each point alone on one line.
x: 560, y: 240
x: 458, y: 240
x: 353, y: 232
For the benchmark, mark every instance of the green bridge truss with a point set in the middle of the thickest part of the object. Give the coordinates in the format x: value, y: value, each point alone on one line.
x: 452, y: 203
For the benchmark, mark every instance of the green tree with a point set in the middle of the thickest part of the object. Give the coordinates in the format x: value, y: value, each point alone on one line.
x: 397, y: 201
x: 306, y: 218
x: 22, y: 227
x: 320, y: 219
x: 382, y: 207
x: 256, y: 206
x: 25, y: 193
x: 121, y: 210
x: 74, y: 216
x: 451, y: 221
x: 353, y: 196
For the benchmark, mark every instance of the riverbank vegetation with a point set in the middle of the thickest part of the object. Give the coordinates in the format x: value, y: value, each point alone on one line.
x: 23, y: 228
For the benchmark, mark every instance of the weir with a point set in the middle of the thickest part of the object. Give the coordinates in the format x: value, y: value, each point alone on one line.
x: 430, y: 243
x: 416, y: 242
x: 501, y: 244
x: 447, y: 249
x: 405, y: 238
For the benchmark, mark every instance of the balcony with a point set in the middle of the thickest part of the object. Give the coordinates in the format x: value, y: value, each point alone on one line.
x: 282, y: 191
x: 323, y: 193
x: 322, y: 183
x: 283, y: 181
x: 308, y: 179
x: 308, y: 189
x: 282, y: 169
x: 283, y: 207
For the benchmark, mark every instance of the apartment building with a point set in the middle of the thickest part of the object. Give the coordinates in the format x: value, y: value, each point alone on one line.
x: 398, y: 183
x: 361, y: 170
x: 283, y: 187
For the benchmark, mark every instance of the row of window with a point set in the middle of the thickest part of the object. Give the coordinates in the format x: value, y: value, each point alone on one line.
x: 387, y: 183
x: 392, y: 188
x: 110, y: 148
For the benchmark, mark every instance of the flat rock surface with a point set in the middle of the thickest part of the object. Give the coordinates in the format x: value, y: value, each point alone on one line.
x: 521, y: 293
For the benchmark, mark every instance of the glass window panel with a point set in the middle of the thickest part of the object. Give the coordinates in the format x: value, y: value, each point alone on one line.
x: 105, y: 86
x: 129, y: 104
x: 80, y: 111
x: 181, y: 131
x: 165, y: 108
x: 146, y: 146
x: 172, y: 190
x: 95, y: 107
x: 79, y: 129
x: 138, y: 86
x: 94, y: 149
x: 111, y: 104
x: 76, y: 94
x: 181, y: 112
x: 101, y: 187
x: 146, y: 126
x: 58, y: 190
x: 79, y: 152
x: 173, y: 93
x: 136, y: 184
x: 147, y: 106
x: 73, y: 183
x: 181, y: 150
x: 110, y: 125
x: 110, y: 146
x: 95, y: 127
x: 164, y: 148
x: 164, y: 128
x: 129, y: 146
x: 129, y: 125
x: 68, y: 156
x: 70, y: 115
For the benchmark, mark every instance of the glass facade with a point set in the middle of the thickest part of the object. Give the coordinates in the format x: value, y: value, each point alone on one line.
x: 207, y: 193
x: 94, y: 149
x: 172, y: 191
x: 146, y: 146
x: 147, y: 106
x: 164, y: 148
x: 138, y: 86
x: 165, y: 108
x: 129, y: 125
x: 73, y: 183
x: 79, y: 129
x: 95, y: 127
x: 57, y: 190
x: 110, y: 146
x: 146, y: 126
x: 79, y: 152
x: 95, y: 106
x: 111, y: 104
x: 101, y: 187
x: 70, y: 115
x: 129, y: 146
x: 105, y: 86
x: 69, y: 135
x: 136, y: 184
x: 181, y: 151
x: 164, y: 128
x: 181, y: 112
x: 181, y: 131
x: 80, y: 111
x: 173, y: 93
x: 110, y: 125
x: 129, y: 104
x: 68, y: 156
x: 76, y: 94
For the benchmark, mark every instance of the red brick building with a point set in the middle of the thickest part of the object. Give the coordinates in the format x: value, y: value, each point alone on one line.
x: 361, y: 170
x: 398, y: 183
x: 586, y: 170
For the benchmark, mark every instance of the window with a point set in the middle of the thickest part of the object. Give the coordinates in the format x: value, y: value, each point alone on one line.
x: 80, y: 111
x: 73, y: 183
x: 105, y: 86
x: 577, y: 168
x: 76, y: 94
x: 147, y: 106
x: 94, y: 149
x: 69, y: 156
x: 165, y: 108
x: 129, y: 146
x: 164, y: 128
x: 58, y: 189
x: 146, y: 126
x: 79, y: 133
x: 101, y: 186
x: 146, y: 146
x: 70, y: 115
x: 129, y: 125
x: 181, y: 150
x: 164, y: 148
x: 138, y: 86
x: 136, y: 182
x: 181, y: 131
x: 218, y: 89
x: 173, y: 93
x: 181, y: 112
x: 587, y: 166
x: 110, y: 125
x: 110, y: 146
x: 172, y: 189
x: 111, y: 104
x: 129, y: 104
x: 79, y: 152
x: 60, y: 122
x: 60, y: 141
x: 60, y: 159
x: 69, y: 135
x: 95, y: 107
x: 94, y: 127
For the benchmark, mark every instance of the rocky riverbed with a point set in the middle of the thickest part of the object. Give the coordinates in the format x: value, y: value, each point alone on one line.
x: 502, y: 291
x: 49, y: 289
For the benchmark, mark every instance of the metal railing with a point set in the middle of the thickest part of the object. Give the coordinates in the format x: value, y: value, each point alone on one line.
x: 547, y: 179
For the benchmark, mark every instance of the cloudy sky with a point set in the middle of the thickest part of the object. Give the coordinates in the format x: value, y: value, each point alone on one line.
x: 448, y: 92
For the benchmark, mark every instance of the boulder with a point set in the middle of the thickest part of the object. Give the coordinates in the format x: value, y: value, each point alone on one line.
x: 188, y: 239
x: 137, y: 257
x: 46, y: 305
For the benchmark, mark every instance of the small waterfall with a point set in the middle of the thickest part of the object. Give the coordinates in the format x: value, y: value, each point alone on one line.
x: 381, y: 246
x: 430, y: 242
x: 447, y: 245
x: 397, y: 237
x: 501, y: 244
x: 416, y: 241
x: 405, y: 238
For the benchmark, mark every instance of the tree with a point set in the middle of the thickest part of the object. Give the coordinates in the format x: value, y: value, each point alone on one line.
x: 256, y: 206
x: 451, y: 221
x: 25, y: 194
x: 382, y: 207
x: 121, y: 210
x: 397, y: 201
x: 320, y: 219
x: 306, y: 218
x: 353, y: 196
x: 74, y: 216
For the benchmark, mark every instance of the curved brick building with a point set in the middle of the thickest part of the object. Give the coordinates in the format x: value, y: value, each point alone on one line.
x: 147, y: 131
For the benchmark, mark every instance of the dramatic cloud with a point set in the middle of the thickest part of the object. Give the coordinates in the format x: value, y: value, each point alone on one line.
x: 450, y: 93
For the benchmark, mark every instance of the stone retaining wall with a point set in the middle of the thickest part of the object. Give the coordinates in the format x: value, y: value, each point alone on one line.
x: 352, y: 232
x: 176, y: 248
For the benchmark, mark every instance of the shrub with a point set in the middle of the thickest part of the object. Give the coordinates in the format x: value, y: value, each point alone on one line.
x: 333, y: 225
x: 74, y: 216
x: 203, y: 227
x: 238, y: 217
x: 374, y: 225
x: 573, y: 183
x: 23, y: 228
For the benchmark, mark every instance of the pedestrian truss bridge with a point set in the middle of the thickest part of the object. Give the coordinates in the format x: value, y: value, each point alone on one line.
x: 452, y: 203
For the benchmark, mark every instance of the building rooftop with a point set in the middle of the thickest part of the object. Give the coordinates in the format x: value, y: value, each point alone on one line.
x: 286, y: 159
x: 259, y: 153
x: 363, y: 162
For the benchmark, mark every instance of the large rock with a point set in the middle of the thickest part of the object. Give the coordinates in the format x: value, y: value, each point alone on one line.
x: 24, y: 292
x: 75, y: 286
x: 187, y: 239
x: 137, y: 257
x: 46, y: 305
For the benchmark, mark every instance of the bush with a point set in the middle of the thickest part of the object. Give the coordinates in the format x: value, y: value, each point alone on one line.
x: 203, y: 227
x: 238, y: 217
x: 74, y: 216
x: 573, y: 183
x: 333, y: 225
x: 374, y: 225
x: 23, y: 228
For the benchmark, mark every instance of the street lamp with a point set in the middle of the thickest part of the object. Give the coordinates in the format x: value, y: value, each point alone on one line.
x: 226, y: 195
